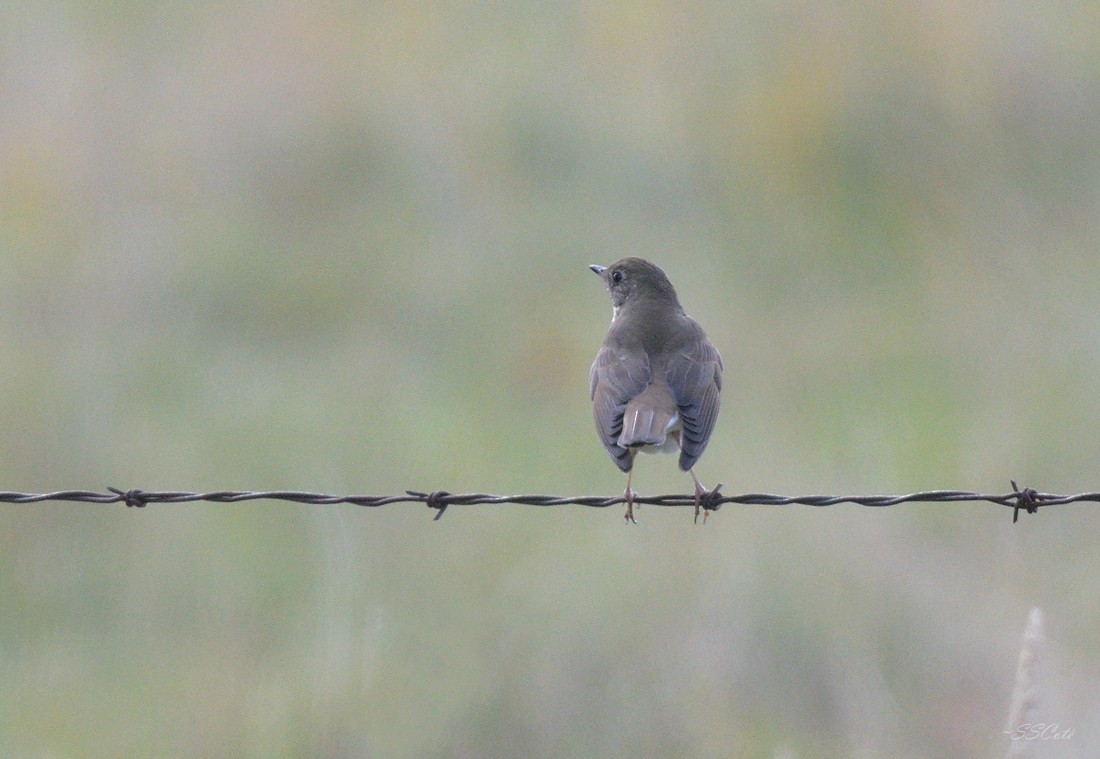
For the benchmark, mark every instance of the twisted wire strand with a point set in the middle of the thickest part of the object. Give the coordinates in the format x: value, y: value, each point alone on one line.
x: 1028, y: 499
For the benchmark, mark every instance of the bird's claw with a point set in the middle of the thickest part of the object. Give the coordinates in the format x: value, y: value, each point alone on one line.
x: 629, y: 496
x: 706, y: 500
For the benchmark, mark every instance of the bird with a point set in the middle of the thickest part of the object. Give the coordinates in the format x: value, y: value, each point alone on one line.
x: 656, y: 382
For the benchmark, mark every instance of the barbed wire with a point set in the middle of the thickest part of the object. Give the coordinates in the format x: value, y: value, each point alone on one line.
x: 1028, y: 499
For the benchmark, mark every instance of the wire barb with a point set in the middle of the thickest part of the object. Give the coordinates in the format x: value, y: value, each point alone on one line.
x: 132, y: 498
x: 1028, y: 499
x: 435, y: 500
x: 708, y: 501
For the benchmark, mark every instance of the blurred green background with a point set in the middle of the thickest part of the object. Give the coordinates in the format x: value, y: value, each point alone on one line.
x: 342, y: 248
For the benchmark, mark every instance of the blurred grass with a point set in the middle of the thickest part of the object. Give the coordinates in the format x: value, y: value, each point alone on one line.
x: 342, y: 248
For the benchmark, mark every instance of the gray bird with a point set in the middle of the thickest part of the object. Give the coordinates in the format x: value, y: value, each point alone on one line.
x: 657, y: 380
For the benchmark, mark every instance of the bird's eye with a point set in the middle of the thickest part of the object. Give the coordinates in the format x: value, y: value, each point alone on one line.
x: 616, y: 277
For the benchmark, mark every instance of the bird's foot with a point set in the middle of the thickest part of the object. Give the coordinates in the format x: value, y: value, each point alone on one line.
x: 629, y: 496
x: 705, y: 500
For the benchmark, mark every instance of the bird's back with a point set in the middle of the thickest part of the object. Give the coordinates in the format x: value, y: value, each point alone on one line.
x: 656, y: 374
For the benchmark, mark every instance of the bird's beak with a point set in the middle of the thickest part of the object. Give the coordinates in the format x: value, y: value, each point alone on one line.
x: 598, y: 269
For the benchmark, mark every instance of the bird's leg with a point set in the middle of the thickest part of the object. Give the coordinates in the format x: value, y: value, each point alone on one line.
x: 629, y: 494
x: 700, y: 491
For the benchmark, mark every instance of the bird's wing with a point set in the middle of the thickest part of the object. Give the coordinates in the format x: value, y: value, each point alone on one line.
x: 694, y: 374
x: 616, y: 376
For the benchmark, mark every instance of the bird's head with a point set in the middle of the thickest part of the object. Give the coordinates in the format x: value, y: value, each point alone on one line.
x: 631, y: 278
